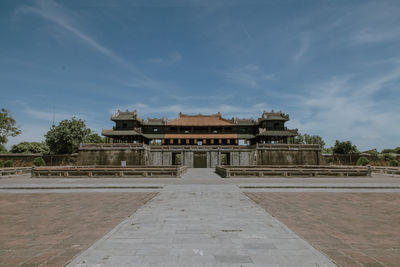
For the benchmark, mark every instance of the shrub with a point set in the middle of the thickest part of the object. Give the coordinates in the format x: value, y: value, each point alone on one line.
x: 3, y: 149
x: 39, y: 161
x: 1, y: 164
x: 30, y: 147
x: 389, y: 156
x: 9, y: 163
x: 344, y: 147
x: 393, y: 163
x: 362, y: 161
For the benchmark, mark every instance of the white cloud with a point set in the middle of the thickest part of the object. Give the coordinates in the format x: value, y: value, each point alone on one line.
x: 250, y: 76
x: 346, y: 109
x: 304, y: 46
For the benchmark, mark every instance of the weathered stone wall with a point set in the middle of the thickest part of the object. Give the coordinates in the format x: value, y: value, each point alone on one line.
x: 111, y: 157
x: 288, y: 155
x: 162, y: 155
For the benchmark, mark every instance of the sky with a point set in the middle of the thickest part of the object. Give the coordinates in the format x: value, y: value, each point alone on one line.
x: 333, y: 66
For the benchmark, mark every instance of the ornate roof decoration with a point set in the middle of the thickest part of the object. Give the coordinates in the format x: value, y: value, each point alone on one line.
x: 125, y: 115
x: 274, y: 116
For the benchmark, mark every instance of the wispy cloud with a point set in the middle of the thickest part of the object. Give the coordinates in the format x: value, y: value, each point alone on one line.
x: 250, y: 76
x: 48, y: 115
x: 346, y: 108
x: 171, y: 59
x: 67, y: 20
x: 303, y: 48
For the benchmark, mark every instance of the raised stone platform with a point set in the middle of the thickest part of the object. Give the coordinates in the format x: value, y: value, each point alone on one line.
x: 108, y: 171
x: 295, y: 170
x: 14, y: 171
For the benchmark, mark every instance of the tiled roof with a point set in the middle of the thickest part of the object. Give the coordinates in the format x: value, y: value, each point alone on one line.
x: 201, y: 136
x: 200, y: 120
x: 154, y: 136
x: 245, y: 136
x: 124, y: 115
x: 279, y: 133
x: 111, y: 132
x: 279, y: 116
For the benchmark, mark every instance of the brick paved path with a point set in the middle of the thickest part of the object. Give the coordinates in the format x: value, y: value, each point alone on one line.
x: 49, y: 229
x: 354, y: 229
x: 201, y: 225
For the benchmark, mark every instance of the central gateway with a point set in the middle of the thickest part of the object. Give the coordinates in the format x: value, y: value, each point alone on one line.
x: 200, y: 160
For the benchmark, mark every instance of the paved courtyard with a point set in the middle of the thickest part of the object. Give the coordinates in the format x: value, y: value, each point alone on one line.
x: 354, y: 229
x: 49, y: 229
x: 200, y: 220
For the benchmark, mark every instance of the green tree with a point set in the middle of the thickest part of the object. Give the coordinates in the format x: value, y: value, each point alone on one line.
x: 3, y: 149
x: 93, y: 138
x: 39, y: 162
x: 362, y: 161
x: 299, y: 139
x: 66, y: 136
x: 30, y: 147
x: 345, y: 147
x: 7, y: 126
x: 314, y: 139
x: 372, y: 152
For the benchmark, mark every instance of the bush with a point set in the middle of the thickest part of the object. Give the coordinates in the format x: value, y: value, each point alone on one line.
x: 9, y: 163
x: 389, y: 156
x: 3, y: 149
x: 30, y: 147
x: 393, y: 163
x: 39, y: 161
x: 344, y: 147
x: 1, y: 164
x: 362, y: 161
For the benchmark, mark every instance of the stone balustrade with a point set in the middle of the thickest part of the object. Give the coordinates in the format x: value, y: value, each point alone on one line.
x: 14, y: 171
x: 295, y: 170
x: 108, y: 171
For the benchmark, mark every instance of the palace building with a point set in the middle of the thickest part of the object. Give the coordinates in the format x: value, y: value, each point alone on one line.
x: 200, y: 130
x: 199, y: 141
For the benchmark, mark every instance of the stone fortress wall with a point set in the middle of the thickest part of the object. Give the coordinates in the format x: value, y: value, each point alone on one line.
x: 141, y: 154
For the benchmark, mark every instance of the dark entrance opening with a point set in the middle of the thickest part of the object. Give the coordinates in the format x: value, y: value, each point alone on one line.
x: 176, y: 159
x: 225, y: 158
x: 200, y: 160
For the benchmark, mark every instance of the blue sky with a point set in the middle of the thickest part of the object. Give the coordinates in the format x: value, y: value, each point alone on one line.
x: 334, y: 66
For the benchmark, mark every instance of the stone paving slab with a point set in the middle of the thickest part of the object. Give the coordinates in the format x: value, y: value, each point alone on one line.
x: 354, y: 229
x: 50, y: 229
x: 201, y: 225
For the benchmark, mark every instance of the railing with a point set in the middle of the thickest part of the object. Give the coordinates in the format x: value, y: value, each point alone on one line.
x: 107, y: 171
x: 288, y: 146
x: 285, y: 171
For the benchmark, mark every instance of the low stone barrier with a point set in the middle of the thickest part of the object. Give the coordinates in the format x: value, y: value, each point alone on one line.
x: 108, y: 171
x: 296, y: 170
x: 386, y: 170
x: 14, y: 171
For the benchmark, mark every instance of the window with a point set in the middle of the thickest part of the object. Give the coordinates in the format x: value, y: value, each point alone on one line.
x: 199, y: 143
x: 124, y: 125
x: 215, y: 131
x: 187, y: 131
x: 242, y: 142
x: 155, y: 130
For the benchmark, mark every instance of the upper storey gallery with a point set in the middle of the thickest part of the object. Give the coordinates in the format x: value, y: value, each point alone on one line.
x: 200, y: 129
